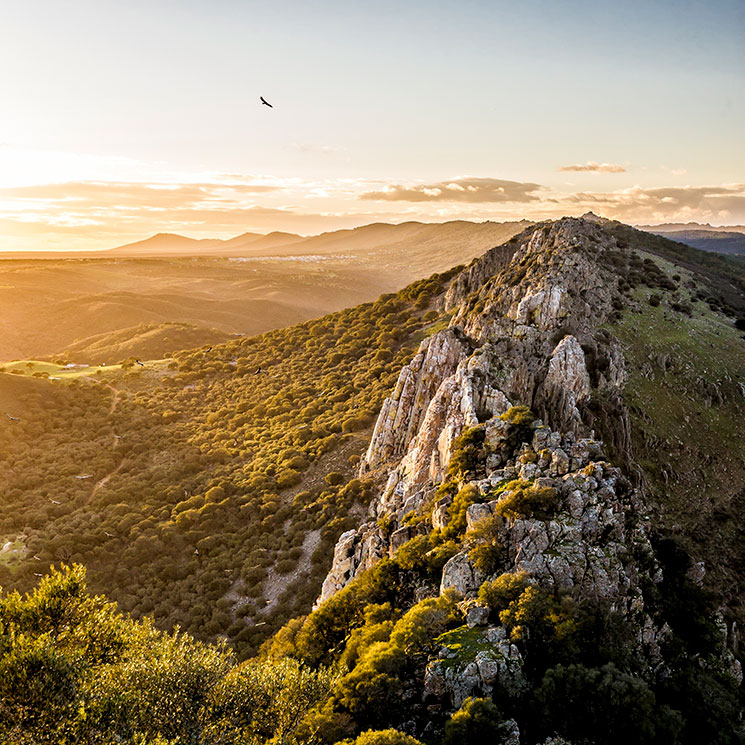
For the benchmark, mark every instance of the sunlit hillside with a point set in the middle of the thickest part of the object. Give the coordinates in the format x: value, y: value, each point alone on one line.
x: 206, y: 489
x: 95, y: 310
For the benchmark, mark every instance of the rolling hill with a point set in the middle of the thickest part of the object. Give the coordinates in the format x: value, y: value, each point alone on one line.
x: 51, y: 306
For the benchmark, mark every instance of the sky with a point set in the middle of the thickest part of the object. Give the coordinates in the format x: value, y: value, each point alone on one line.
x: 121, y: 120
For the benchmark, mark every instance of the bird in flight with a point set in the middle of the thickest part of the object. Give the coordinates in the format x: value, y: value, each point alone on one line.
x: 265, y: 102
x: 14, y: 418
x: 139, y: 363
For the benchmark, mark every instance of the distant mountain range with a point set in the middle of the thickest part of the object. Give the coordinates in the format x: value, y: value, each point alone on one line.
x: 366, y: 240
x: 415, y: 239
x: 729, y: 239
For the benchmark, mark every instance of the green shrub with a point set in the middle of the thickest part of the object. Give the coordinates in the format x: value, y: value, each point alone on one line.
x: 385, y: 737
x: 466, y: 453
x: 457, y: 510
x: 505, y: 589
x: 487, y: 548
x: 334, y: 478
x: 525, y: 499
x: 477, y: 721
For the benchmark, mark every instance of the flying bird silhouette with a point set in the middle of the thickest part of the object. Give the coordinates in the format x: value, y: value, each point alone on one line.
x: 139, y: 363
x: 265, y: 102
x: 14, y: 418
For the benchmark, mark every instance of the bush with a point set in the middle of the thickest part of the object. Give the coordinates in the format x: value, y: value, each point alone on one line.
x: 385, y: 737
x: 457, y: 510
x: 500, y: 592
x: 487, y: 549
x: 466, y: 453
x: 477, y: 721
x: 524, y: 499
x: 603, y: 705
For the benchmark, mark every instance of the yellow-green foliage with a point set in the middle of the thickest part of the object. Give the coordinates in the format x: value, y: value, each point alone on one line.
x: 361, y: 639
x: 485, y: 542
x: 526, y: 499
x: 426, y: 554
x: 535, y: 614
x: 500, y: 592
x: 187, y: 470
x: 518, y: 416
x: 321, y: 637
x: 478, y: 720
x: 385, y: 737
x: 466, y: 452
x: 370, y: 691
x: 456, y: 526
x: 74, y: 670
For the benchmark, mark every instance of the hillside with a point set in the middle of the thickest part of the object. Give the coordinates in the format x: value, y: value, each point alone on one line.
x: 165, y: 244
x: 514, y: 491
x: 366, y: 241
x: 145, y: 341
x: 51, y: 306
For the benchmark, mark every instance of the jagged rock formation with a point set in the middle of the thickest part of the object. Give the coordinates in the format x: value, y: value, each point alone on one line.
x: 521, y: 313
x: 526, y: 330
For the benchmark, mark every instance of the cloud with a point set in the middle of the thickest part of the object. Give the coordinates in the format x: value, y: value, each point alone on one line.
x: 636, y: 203
x: 459, y: 190
x: 107, y: 193
x: 591, y: 165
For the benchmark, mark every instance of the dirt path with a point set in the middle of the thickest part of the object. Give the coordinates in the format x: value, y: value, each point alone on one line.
x: 117, y: 397
x: 105, y: 480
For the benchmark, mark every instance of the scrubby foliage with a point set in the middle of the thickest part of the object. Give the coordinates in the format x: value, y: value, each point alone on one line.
x: 75, y: 670
x: 525, y: 499
x: 207, y: 492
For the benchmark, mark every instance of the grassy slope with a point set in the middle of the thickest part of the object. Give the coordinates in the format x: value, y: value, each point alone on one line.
x: 687, y: 405
x: 145, y: 341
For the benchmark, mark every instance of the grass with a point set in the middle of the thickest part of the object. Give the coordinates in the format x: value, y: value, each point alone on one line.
x: 53, y: 371
x: 12, y: 551
x: 465, y: 642
x: 687, y: 408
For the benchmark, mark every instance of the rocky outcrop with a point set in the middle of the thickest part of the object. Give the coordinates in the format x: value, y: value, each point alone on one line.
x: 402, y: 413
x: 490, y: 661
x: 501, y: 349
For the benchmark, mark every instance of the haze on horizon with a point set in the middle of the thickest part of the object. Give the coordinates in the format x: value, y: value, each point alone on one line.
x: 124, y: 120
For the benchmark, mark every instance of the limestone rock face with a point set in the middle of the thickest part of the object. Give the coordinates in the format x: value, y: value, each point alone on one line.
x: 460, y: 575
x: 402, y: 413
x: 500, y: 350
x: 567, y: 378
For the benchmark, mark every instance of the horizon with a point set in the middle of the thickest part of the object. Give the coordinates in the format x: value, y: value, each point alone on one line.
x: 304, y: 236
x: 477, y: 111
